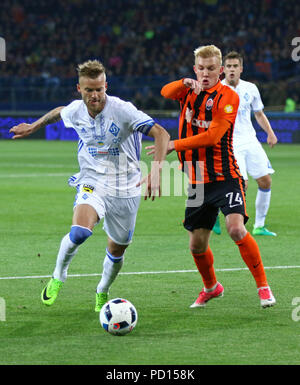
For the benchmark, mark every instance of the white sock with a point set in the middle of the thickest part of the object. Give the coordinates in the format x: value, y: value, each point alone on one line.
x: 111, y: 267
x: 66, y: 252
x: 262, y: 204
x: 211, y: 289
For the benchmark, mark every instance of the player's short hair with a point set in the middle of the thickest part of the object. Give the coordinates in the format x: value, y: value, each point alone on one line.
x: 207, y: 51
x: 233, y: 55
x: 90, y: 69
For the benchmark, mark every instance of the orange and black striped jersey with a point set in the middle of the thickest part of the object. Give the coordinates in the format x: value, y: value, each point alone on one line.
x: 206, y: 126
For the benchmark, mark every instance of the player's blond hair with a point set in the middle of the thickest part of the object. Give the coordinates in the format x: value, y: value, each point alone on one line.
x: 91, y: 69
x: 207, y: 51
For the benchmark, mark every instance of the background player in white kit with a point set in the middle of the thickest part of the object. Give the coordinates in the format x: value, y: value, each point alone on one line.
x: 109, y: 182
x: 248, y: 151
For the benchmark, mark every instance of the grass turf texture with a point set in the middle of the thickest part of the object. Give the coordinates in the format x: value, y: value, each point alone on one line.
x: 36, y: 210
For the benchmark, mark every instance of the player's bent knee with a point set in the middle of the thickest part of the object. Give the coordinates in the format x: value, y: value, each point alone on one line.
x: 79, y: 234
x: 236, y: 232
x: 265, y: 182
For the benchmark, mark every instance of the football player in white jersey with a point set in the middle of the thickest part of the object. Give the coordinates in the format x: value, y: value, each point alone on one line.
x: 248, y: 151
x: 109, y: 182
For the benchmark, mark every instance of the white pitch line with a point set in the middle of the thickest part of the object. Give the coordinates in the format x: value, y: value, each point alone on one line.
x: 150, y: 272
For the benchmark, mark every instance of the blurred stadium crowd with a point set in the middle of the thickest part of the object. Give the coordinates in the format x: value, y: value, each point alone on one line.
x: 143, y: 44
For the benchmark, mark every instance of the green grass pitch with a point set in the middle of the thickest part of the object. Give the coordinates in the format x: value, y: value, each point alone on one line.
x: 158, y: 276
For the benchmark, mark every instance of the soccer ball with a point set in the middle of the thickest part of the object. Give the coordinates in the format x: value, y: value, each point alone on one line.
x: 118, y: 316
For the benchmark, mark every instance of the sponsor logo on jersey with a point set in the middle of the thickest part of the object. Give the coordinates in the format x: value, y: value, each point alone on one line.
x: 201, y: 123
x: 88, y: 188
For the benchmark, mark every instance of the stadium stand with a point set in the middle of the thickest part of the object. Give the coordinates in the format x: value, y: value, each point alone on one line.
x: 143, y: 45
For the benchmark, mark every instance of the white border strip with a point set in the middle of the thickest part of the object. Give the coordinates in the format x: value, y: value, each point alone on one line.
x: 149, y: 272
x: 34, y: 175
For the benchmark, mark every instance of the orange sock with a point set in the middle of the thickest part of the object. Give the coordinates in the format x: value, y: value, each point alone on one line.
x: 204, y: 263
x: 250, y: 253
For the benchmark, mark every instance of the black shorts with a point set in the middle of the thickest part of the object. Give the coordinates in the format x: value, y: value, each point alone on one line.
x: 227, y: 196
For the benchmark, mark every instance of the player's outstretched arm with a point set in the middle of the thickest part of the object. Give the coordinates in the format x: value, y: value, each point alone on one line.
x: 209, y: 138
x: 24, y: 129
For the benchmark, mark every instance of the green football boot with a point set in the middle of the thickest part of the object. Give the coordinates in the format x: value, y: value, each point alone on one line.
x: 263, y: 231
x: 50, y: 292
x: 101, y: 299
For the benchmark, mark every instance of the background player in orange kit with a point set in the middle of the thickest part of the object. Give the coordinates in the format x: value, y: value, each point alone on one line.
x: 208, y: 112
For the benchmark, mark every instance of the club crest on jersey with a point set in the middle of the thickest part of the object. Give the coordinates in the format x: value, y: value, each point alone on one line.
x: 114, y: 129
x: 246, y: 97
x: 228, y: 108
x: 209, y: 104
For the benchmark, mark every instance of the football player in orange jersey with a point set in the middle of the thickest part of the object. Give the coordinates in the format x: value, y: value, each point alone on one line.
x: 208, y: 112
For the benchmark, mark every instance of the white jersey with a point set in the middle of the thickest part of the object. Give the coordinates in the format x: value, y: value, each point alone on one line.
x: 109, y: 146
x: 250, y: 99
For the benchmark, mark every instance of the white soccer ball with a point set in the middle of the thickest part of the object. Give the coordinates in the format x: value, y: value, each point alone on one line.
x: 118, y: 316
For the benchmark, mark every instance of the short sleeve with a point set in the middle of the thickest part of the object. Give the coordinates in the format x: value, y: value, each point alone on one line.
x: 257, y: 104
x: 138, y: 120
x: 67, y: 113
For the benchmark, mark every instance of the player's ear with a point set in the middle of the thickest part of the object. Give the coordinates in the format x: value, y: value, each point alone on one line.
x: 105, y: 86
x: 194, y: 68
x: 78, y: 88
x: 221, y: 70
